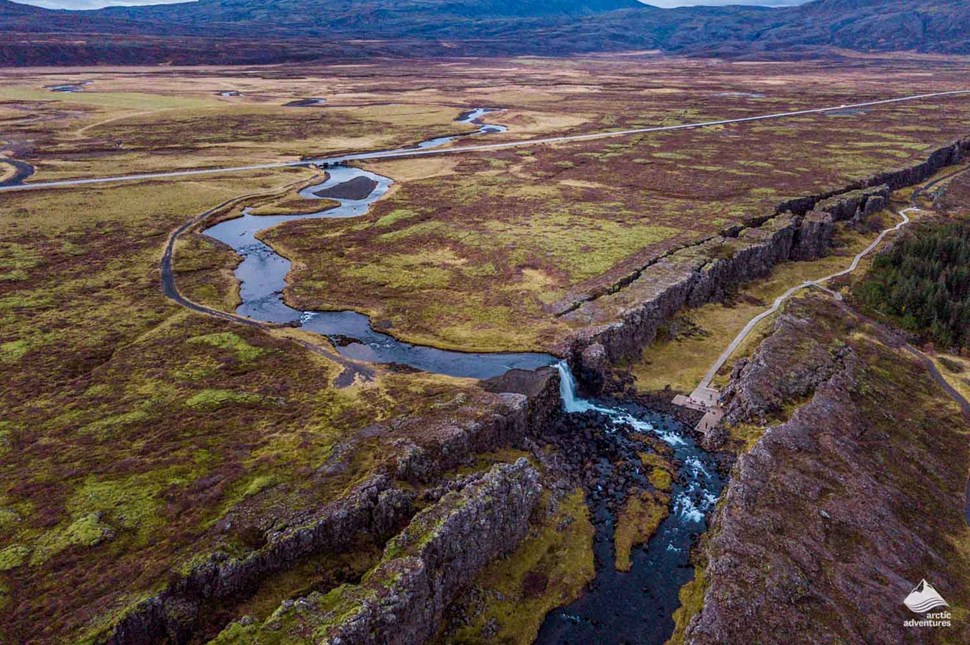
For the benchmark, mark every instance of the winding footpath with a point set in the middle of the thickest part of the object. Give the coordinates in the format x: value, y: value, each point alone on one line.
x: 706, y: 397
x: 780, y: 300
x: 420, y: 152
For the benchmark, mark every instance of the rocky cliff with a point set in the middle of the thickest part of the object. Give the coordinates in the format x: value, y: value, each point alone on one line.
x: 617, y: 325
x: 374, y: 509
x: 419, y: 451
x: 403, y: 599
x: 844, y: 505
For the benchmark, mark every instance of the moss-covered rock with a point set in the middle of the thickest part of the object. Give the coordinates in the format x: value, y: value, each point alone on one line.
x: 549, y: 569
x: 403, y: 599
x: 637, y: 522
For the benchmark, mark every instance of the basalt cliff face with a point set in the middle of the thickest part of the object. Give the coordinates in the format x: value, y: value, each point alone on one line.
x: 411, y: 493
x: 843, y: 506
x: 404, y: 598
x: 618, y: 324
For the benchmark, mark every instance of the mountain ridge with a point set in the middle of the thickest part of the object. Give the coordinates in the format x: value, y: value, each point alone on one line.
x: 248, y: 31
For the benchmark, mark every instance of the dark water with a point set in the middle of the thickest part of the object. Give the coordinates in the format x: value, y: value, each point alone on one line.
x: 311, y: 102
x: 638, y: 606
x: 68, y: 87
x: 262, y: 274
x: 22, y: 169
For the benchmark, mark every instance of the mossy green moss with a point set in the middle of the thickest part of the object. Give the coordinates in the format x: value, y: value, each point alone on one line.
x: 396, y: 216
x: 87, y: 530
x: 15, y: 259
x: 691, y: 602
x: 549, y: 569
x: 743, y: 436
x: 13, y: 351
x: 659, y: 470
x: 230, y: 341
x: 661, y: 479
x: 212, y: 399
x: 637, y: 523
x: 131, y: 503
x: 13, y: 556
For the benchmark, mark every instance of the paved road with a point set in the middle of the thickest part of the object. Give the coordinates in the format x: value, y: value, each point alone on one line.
x: 395, y: 154
x: 726, y: 354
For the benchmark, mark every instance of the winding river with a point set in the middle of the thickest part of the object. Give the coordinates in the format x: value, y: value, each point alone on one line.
x: 636, y: 606
x: 22, y: 171
x: 262, y: 275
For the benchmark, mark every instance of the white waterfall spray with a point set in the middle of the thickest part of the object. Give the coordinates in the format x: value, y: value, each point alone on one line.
x: 572, y: 403
x: 693, y: 500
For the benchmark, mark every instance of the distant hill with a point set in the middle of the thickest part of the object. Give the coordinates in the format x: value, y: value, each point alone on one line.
x: 253, y: 31
x: 928, y: 26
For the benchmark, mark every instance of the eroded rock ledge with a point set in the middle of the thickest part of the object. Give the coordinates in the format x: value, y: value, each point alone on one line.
x: 374, y: 510
x: 837, y: 513
x: 617, y: 324
x: 404, y: 598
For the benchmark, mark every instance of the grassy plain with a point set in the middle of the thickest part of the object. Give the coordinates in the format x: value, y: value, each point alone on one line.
x: 137, y: 436
x: 476, y: 252
x: 114, y: 127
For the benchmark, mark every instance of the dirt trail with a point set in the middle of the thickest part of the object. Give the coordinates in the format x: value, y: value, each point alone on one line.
x: 780, y: 300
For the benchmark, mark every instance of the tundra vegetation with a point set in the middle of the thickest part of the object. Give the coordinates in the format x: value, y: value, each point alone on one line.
x: 138, y: 438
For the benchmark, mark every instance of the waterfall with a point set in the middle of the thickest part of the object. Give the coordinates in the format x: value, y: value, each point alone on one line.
x: 613, y: 609
x: 571, y: 401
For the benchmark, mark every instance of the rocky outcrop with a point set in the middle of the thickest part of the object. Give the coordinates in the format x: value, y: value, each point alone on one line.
x: 624, y: 320
x: 753, y: 254
x: 423, y: 448
x: 813, y: 237
x: 594, y: 366
x: 426, y: 447
x: 787, y: 367
x: 540, y: 389
x: 855, y: 204
x: 628, y: 320
x: 837, y: 513
x: 939, y: 159
x: 403, y: 599
x: 374, y: 508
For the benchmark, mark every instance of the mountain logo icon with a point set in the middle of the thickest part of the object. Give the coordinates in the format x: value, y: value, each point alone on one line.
x: 924, y: 598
